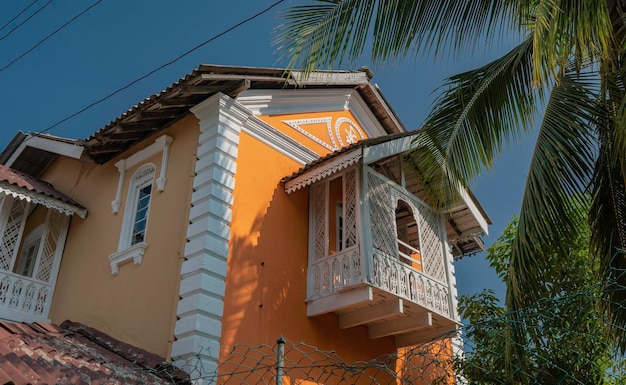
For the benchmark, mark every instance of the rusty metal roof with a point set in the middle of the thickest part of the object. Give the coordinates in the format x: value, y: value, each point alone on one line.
x: 73, y: 353
x: 29, y: 183
x: 460, y: 226
x: 161, y: 110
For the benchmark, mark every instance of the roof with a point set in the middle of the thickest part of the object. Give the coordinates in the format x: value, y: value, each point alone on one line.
x: 28, y: 188
x: 73, y: 353
x: 357, y: 145
x: 466, y: 221
x: 161, y: 110
x: 31, y: 154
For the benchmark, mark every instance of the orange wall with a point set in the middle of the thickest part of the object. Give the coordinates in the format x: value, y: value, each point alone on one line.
x: 138, y: 305
x: 266, y: 278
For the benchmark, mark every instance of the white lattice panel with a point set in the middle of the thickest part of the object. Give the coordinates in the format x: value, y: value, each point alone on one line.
x: 11, y: 233
x: 430, y: 243
x: 350, y: 209
x: 318, y: 203
x: 382, y: 215
x: 54, y: 225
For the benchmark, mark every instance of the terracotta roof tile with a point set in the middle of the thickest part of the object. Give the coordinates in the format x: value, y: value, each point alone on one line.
x: 41, y: 353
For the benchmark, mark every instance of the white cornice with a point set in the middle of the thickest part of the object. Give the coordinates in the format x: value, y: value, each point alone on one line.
x: 277, y: 140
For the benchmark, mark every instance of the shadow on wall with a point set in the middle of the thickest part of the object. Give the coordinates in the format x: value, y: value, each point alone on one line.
x: 266, y: 285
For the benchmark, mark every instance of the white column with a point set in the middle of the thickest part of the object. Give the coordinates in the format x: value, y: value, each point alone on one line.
x: 203, y: 274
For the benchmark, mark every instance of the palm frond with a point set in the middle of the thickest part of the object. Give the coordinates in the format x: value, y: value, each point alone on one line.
x: 563, y: 29
x: 331, y: 32
x: 559, y: 172
x: 478, y: 113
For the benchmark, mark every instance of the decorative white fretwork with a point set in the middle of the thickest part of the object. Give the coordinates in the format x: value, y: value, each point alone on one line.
x: 408, y: 283
x: 25, y: 296
x: 319, y: 226
x: 430, y: 243
x: 350, y: 208
x: 54, y: 225
x: 382, y: 215
x: 12, y: 231
x: 338, y: 163
x: 345, y: 132
x: 297, y: 124
x: 335, y: 273
x: 33, y: 197
x: 350, y: 131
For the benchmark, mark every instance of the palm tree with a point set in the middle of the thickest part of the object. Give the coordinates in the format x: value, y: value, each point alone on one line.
x: 569, y: 66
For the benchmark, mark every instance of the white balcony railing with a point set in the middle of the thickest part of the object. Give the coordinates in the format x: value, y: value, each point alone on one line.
x: 408, y: 283
x: 335, y: 272
x: 23, y: 298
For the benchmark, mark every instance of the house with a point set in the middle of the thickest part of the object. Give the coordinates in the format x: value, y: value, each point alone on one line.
x: 236, y: 206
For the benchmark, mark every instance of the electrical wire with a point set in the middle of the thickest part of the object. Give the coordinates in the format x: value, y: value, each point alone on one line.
x: 167, y: 64
x: 25, y: 20
x: 18, y: 15
x: 50, y: 35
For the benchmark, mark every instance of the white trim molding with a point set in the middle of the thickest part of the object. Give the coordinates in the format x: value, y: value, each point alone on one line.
x: 162, y: 143
x: 40, y: 199
x: 58, y: 147
x: 323, y: 170
x: 203, y: 273
x: 279, y: 141
x: 133, y: 253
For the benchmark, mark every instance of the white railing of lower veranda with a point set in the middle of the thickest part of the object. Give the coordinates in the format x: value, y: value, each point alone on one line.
x: 24, y: 295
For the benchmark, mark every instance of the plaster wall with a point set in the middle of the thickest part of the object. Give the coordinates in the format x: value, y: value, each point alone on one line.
x: 138, y: 305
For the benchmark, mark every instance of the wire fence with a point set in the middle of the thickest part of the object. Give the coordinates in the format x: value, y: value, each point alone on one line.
x: 563, y: 340
x: 566, y: 339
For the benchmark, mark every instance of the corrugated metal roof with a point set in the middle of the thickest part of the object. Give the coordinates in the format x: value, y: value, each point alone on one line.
x: 29, y: 183
x: 161, y: 110
x: 39, y: 353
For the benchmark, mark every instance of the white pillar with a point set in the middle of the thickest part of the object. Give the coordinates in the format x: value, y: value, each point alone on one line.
x: 203, y: 282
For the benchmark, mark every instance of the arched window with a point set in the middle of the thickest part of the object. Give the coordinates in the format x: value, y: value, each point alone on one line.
x: 407, y: 235
x: 137, y: 207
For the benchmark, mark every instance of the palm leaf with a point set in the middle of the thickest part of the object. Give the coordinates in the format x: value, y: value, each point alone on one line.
x: 331, y: 32
x: 479, y: 112
x: 558, y: 176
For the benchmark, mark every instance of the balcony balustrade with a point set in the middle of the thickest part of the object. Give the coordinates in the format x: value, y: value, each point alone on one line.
x: 378, y: 257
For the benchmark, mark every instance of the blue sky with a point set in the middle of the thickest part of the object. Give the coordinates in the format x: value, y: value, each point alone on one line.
x: 118, y: 41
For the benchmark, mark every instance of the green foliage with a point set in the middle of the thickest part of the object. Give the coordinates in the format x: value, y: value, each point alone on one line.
x: 568, y: 68
x: 564, y: 338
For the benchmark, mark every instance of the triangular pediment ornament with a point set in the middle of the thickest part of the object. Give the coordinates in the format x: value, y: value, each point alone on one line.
x: 345, y: 131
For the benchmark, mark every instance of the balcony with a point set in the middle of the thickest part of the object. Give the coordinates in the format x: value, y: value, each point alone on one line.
x: 34, y: 220
x: 378, y: 255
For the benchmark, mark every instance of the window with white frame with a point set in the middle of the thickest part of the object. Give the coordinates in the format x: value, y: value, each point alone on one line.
x: 132, y: 243
x: 137, y: 207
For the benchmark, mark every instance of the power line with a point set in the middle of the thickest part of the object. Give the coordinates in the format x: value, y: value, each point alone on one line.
x: 18, y: 15
x: 239, y: 24
x: 50, y: 35
x: 25, y: 20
